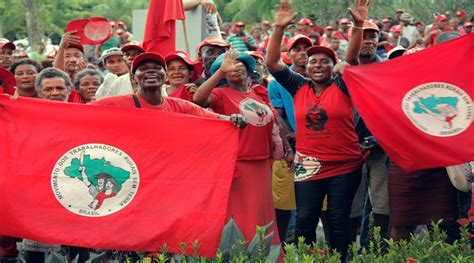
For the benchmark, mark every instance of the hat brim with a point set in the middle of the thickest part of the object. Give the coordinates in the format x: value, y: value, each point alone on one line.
x: 196, y: 65
x: 10, y: 45
x: 128, y: 47
x: 325, y: 50
x: 92, y: 30
x: 246, y: 59
x: 147, y: 56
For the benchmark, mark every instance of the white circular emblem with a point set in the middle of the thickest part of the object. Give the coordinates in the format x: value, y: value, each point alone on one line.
x: 306, y: 167
x: 95, y: 180
x: 257, y: 114
x: 439, y: 109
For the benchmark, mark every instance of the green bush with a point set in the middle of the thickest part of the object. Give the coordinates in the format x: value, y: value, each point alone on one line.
x: 429, y: 248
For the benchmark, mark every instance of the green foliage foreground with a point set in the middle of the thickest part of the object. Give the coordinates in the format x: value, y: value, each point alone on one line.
x: 429, y: 248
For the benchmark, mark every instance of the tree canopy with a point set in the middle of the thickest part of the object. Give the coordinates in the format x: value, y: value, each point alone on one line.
x: 54, y: 14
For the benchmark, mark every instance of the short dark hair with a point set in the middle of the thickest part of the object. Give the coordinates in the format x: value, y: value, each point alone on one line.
x: 50, y: 73
x: 25, y: 61
x: 86, y: 72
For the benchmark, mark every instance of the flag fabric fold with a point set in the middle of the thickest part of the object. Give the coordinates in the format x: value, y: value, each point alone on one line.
x: 419, y: 107
x: 160, y: 28
x: 113, y: 177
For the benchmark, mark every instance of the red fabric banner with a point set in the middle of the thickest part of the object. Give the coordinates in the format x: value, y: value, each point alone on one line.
x: 160, y: 28
x: 113, y: 177
x: 419, y: 107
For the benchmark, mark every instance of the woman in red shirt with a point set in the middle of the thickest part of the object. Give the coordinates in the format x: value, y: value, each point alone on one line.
x: 250, y: 201
x: 181, y: 70
x: 328, y: 156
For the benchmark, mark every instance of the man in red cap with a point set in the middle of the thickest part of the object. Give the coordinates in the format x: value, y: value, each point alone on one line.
x: 70, y: 57
x: 6, y: 53
x: 440, y: 25
x: 467, y: 28
x: 131, y: 50
x: 343, y: 32
x: 375, y: 171
x: 386, y: 24
x: 326, y: 37
x: 207, y: 52
x: 306, y: 28
x: 241, y: 41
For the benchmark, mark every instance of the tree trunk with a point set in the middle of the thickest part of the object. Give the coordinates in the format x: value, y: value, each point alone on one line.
x: 35, y: 34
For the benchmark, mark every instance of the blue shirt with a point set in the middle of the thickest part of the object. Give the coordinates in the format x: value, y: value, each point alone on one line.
x: 281, y: 98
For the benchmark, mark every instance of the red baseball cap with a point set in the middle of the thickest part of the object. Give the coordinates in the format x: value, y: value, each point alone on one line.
x: 439, y: 18
x: 147, y: 56
x: 461, y: 13
x: 178, y: 54
x: 93, y: 30
x: 396, y: 28
x: 80, y: 47
x: 370, y: 26
x: 329, y: 28
x: 213, y: 41
x: 7, y: 44
x: 419, y: 23
x: 297, y: 39
x: 239, y: 23
x: 8, y: 81
x: 305, y: 21
x: 256, y: 54
x: 132, y: 45
x: 320, y: 49
x: 385, y: 20
x: 467, y: 24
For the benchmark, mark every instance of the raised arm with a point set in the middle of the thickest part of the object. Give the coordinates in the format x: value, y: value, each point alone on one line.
x: 283, y: 17
x: 202, y: 96
x: 67, y: 38
x: 359, y: 15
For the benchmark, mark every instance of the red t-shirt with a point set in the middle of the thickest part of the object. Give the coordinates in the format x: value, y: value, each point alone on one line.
x: 325, y: 131
x: 255, y: 141
x: 181, y: 93
x: 340, y: 35
x: 169, y: 104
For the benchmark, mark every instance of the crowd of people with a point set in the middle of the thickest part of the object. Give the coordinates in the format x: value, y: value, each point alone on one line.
x: 304, y: 153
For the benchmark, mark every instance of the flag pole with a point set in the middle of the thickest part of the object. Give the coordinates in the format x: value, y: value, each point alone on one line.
x: 185, y: 31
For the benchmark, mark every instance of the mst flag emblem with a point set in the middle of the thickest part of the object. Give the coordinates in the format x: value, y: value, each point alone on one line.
x: 95, y: 180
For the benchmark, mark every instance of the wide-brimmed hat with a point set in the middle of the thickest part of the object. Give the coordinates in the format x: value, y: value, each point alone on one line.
x: 248, y: 61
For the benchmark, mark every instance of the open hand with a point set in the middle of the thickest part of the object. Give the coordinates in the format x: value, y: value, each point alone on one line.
x: 208, y: 6
x: 69, y: 38
x: 284, y: 14
x: 229, y: 61
x: 361, y: 9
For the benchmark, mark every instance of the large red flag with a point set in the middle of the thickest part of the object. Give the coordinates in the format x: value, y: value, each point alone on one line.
x: 160, y: 29
x: 419, y: 107
x: 113, y: 177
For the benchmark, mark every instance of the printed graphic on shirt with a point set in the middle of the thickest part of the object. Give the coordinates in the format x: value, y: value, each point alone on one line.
x: 95, y: 180
x: 306, y: 167
x: 439, y: 109
x: 257, y: 114
x: 316, y: 118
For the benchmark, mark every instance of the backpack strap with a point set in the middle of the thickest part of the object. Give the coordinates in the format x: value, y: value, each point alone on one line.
x: 136, y: 101
x: 341, y: 85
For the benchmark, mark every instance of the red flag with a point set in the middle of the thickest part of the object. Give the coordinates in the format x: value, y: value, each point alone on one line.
x: 419, y: 107
x: 160, y: 29
x: 113, y: 177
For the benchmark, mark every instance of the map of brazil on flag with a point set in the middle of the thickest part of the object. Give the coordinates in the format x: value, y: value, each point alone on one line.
x: 419, y: 107
x: 113, y: 177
